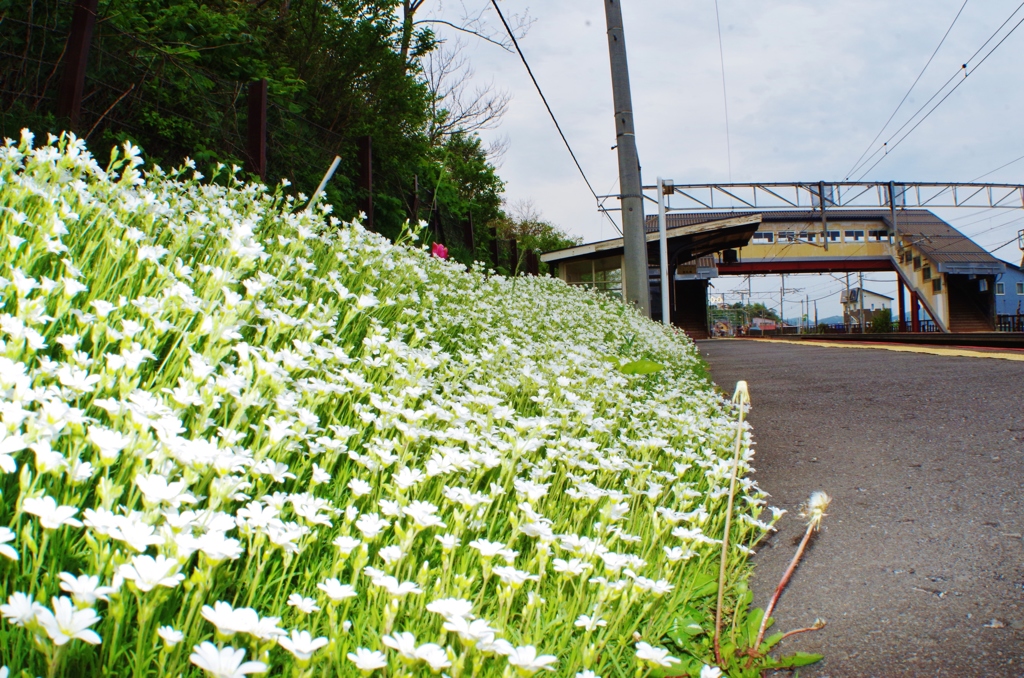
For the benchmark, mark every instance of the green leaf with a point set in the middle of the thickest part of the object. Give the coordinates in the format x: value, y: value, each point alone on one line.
x: 771, y: 641
x: 797, y: 659
x: 754, y: 625
x: 682, y: 629
x: 641, y: 367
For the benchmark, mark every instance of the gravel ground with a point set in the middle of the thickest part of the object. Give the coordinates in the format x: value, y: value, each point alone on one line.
x: 919, y: 569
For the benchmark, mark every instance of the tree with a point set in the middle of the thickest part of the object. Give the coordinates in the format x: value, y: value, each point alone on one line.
x: 524, y: 224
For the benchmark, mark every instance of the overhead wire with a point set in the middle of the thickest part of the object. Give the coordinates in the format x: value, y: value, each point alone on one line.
x: 515, y: 43
x: 725, y: 97
x: 912, y: 86
x: 887, y: 148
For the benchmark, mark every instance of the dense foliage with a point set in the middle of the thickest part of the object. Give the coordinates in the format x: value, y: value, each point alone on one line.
x: 236, y: 430
x: 172, y: 76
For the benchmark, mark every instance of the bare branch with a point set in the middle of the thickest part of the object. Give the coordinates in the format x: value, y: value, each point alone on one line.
x: 507, y: 46
x: 456, y: 108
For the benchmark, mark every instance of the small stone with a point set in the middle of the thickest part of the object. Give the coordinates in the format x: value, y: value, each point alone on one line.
x: 1017, y: 625
x: 995, y: 624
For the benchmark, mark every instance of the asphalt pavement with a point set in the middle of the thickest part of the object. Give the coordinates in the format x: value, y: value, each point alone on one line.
x: 919, y: 568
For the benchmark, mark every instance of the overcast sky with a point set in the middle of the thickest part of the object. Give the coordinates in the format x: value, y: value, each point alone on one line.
x: 809, y: 85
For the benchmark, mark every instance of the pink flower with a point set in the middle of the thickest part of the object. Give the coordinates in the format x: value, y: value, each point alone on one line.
x: 440, y: 251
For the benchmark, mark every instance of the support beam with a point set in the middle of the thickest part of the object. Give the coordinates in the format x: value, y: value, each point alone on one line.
x: 513, y: 264
x: 365, y: 201
x: 256, y: 129
x: 915, y: 312
x: 76, y: 57
x: 903, y: 314
x: 635, y: 276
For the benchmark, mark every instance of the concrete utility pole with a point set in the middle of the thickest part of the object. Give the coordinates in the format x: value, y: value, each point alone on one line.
x: 630, y: 193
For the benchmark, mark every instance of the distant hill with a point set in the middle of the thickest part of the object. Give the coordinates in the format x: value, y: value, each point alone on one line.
x: 831, y: 320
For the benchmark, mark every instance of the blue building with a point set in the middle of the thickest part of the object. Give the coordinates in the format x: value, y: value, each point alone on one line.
x: 1010, y: 291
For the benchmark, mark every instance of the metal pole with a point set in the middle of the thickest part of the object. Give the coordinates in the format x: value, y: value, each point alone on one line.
x: 630, y: 192
x: 663, y: 253
x: 860, y: 297
x: 782, y: 301
x: 824, y: 219
x: 847, y: 315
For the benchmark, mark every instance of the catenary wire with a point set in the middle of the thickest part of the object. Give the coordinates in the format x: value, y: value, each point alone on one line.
x: 912, y: 86
x: 888, y: 149
x: 551, y: 113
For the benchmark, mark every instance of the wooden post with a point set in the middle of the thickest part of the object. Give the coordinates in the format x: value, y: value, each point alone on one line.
x: 915, y: 312
x: 903, y: 317
x: 72, y: 84
x: 365, y: 202
x: 513, y: 248
x: 467, y: 234
x: 495, y: 247
x: 256, y: 128
x: 414, y: 219
x: 531, y: 263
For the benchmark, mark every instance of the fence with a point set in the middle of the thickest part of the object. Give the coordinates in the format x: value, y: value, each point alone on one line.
x: 1010, y: 323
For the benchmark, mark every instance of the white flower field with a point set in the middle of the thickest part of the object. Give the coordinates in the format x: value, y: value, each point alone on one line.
x: 240, y: 437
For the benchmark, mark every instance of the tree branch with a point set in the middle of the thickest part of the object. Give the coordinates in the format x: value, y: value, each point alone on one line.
x: 464, y: 29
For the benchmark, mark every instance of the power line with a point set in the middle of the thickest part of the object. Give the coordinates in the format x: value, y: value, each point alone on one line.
x: 551, y: 113
x: 912, y: 86
x: 725, y: 97
x: 997, y: 169
x: 887, y: 148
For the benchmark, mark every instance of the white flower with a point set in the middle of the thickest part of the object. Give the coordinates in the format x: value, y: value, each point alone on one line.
x: 449, y: 542
x: 320, y: 476
x: 487, y: 549
x: 224, y: 663
x: 20, y: 609
x: 371, y: 524
x: 434, y: 655
x: 302, y: 644
x: 422, y: 514
x: 368, y: 661
x: 528, y: 662
x: 7, y: 535
x: 404, y: 643
x: 589, y: 623
x: 109, y: 443
x: 359, y: 487
x: 170, y: 635
x: 346, y: 544
x: 452, y: 607
x: 707, y: 671
x: 156, y: 490
x: 305, y: 605
x: 390, y: 554
x: 229, y: 620
x: 476, y: 631
x: 587, y: 673
x: 147, y: 572
x: 51, y: 516
x: 66, y: 622
x: 654, y: 656
x: 85, y: 589
x: 335, y: 590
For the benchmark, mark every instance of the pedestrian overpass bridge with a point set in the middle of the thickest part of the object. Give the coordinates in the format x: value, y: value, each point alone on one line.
x: 949, y: 277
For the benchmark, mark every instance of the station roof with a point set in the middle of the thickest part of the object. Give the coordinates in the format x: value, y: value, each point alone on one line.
x: 688, y: 239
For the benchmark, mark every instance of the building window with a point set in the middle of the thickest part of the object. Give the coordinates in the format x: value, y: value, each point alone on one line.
x: 917, y: 263
x: 926, y: 273
x: 1000, y: 289
x: 854, y: 236
x: 833, y: 236
x: 1020, y: 289
x: 764, y: 237
x: 878, y: 236
x: 787, y: 236
x: 937, y: 285
x: 808, y: 237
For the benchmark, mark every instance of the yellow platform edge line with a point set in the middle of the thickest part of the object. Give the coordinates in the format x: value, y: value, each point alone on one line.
x: 905, y: 348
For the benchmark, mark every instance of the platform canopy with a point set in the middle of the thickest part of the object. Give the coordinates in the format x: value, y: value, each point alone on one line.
x: 685, y: 241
